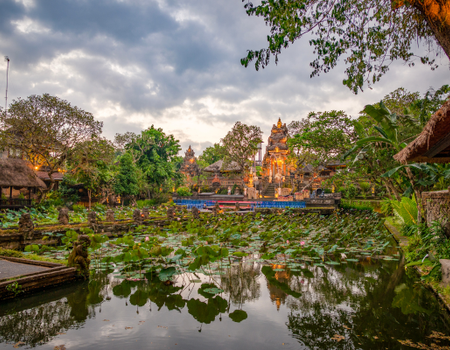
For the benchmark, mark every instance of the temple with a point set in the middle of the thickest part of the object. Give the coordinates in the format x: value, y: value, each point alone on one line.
x: 190, y: 166
x: 274, y: 165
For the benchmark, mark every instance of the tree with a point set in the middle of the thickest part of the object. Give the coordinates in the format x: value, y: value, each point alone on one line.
x: 126, y: 183
x: 367, y: 34
x: 155, y: 154
x: 90, y: 165
x: 241, y: 144
x: 46, y: 130
x: 212, y: 154
x: 323, y: 135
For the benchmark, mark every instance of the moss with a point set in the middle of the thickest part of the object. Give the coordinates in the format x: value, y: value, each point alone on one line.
x: 16, y: 254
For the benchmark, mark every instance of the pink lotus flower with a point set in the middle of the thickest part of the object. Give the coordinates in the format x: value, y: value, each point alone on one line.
x: 178, y: 219
x: 147, y: 238
x: 367, y: 217
x: 302, y: 243
x: 287, y: 241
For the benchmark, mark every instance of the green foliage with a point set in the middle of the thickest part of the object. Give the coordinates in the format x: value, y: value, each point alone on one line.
x: 406, y: 210
x: 126, y: 183
x: 184, y: 192
x: 212, y: 154
x: 79, y: 208
x: 14, y: 287
x: 366, y: 34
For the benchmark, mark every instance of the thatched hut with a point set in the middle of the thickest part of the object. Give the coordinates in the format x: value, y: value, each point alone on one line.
x: 17, y: 178
x: 433, y: 143
x: 433, y: 146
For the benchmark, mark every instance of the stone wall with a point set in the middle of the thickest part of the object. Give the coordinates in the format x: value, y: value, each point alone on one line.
x: 437, y: 206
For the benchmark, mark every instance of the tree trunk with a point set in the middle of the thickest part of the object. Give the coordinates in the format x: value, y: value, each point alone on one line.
x: 436, y: 15
x: 89, y: 196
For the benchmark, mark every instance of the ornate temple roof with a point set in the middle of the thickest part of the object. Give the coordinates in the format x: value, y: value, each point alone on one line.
x: 278, y: 137
x: 219, y: 167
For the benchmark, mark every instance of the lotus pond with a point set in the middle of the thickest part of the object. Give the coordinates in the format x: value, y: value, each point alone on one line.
x: 254, y: 281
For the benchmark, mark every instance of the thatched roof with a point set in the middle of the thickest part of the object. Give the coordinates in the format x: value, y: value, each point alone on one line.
x: 43, y: 175
x: 218, y: 167
x: 433, y: 143
x: 17, y: 173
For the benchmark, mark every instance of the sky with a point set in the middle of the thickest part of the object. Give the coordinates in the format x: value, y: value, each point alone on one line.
x: 174, y: 64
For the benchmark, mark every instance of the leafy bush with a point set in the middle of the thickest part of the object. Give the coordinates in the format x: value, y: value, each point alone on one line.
x: 350, y: 191
x: 77, y: 208
x: 101, y: 208
x: 184, y: 192
x: 386, y: 207
x: 365, y: 187
x: 145, y: 203
x: 406, y: 210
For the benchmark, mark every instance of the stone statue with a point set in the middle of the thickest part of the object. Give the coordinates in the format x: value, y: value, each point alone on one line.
x: 216, y: 209
x: 145, y: 213
x: 79, y: 256
x: 252, y: 193
x: 92, y: 220
x: 170, y: 213
x: 195, y: 213
x: 63, y: 216
x: 26, y: 226
x: 237, y: 207
x: 110, y: 215
x: 137, y: 217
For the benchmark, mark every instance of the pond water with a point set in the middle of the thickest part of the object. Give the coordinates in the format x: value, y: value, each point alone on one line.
x: 368, y: 304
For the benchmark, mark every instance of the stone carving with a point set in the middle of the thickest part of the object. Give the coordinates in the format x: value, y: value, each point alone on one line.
x: 137, y: 217
x: 26, y: 226
x: 195, y: 213
x: 445, y: 268
x: 216, y: 209
x: 252, y: 193
x: 93, y: 220
x: 79, y: 256
x: 170, y: 213
x: 63, y: 216
x: 237, y: 207
x: 110, y: 215
x: 145, y: 213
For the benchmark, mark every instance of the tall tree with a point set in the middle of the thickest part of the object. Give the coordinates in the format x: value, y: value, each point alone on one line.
x: 46, y: 130
x: 367, y: 34
x: 212, y: 154
x: 90, y: 165
x: 241, y: 144
x: 156, y: 154
x: 127, y: 179
x: 323, y: 135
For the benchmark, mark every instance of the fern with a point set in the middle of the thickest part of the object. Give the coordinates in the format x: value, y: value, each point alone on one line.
x: 406, y: 210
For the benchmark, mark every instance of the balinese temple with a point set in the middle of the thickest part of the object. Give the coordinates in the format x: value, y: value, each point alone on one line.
x: 274, y: 165
x: 190, y: 166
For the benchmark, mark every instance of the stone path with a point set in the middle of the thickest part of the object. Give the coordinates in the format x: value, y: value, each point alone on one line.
x: 11, y: 269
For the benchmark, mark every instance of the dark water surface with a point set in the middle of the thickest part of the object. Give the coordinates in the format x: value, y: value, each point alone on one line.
x: 365, y: 305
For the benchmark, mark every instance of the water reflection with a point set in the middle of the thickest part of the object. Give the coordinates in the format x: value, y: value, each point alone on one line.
x: 364, y: 305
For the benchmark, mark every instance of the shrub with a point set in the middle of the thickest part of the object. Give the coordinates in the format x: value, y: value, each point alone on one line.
x: 78, y: 208
x: 184, y: 192
x: 101, y: 208
x: 406, y: 210
x: 365, y: 187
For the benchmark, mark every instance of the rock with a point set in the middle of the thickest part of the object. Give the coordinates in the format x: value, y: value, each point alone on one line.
x: 79, y: 256
x: 195, y: 213
x: 110, y: 215
x: 26, y: 226
x: 145, y: 213
x: 445, y: 268
x: 63, y: 216
x: 137, y: 217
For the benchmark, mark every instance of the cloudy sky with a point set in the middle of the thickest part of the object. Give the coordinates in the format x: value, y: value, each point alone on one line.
x: 174, y: 64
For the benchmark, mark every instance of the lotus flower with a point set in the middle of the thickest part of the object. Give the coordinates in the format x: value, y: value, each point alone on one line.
x: 147, y: 238
x: 302, y: 243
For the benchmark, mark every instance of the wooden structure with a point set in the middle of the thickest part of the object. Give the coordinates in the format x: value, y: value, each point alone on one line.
x: 433, y: 146
x: 53, y: 274
x: 17, y: 182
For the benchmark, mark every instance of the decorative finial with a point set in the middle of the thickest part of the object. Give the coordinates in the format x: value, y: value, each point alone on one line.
x: 279, y: 123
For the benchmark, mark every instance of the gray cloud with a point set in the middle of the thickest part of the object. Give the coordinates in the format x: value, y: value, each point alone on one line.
x: 174, y: 64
